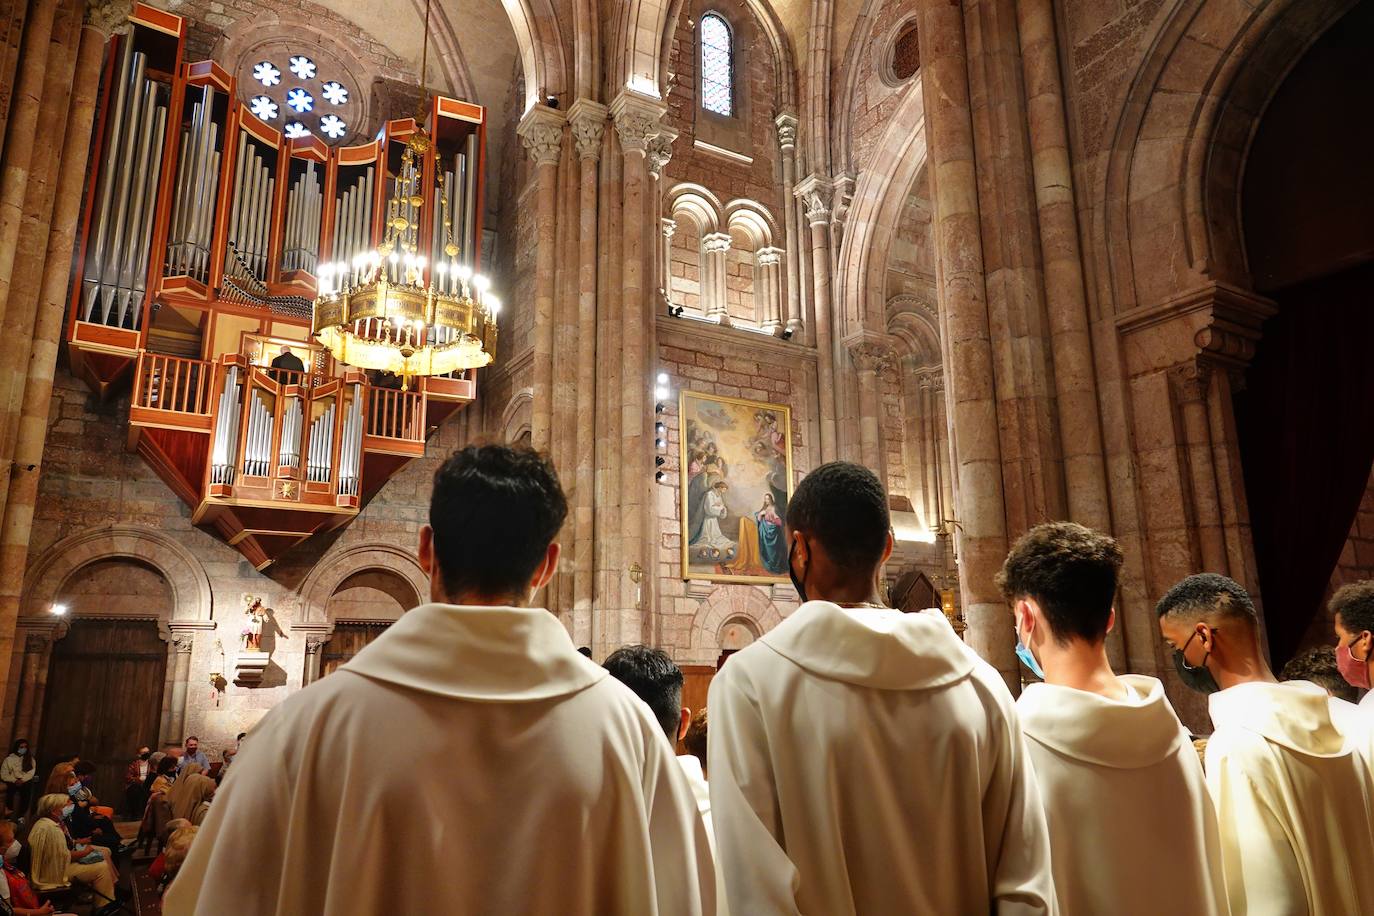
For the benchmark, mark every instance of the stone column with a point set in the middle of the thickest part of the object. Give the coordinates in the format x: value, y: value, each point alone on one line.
x: 588, y: 122
x: 314, y: 643
x: 1191, y: 382
x: 963, y: 299
x: 816, y: 193
x: 787, y: 144
x: 1075, y: 386
x: 31, y: 390
x: 715, y: 246
x: 541, y: 130
x: 179, y: 676
x: 769, y: 261
x: 637, y: 123
x: 930, y: 450
x: 668, y: 228
x: 33, y: 676
x: 869, y: 360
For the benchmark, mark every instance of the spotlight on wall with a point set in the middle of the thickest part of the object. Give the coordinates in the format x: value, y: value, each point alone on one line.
x: 660, y: 444
x: 658, y: 476
x: 662, y: 429
x: 551, y: 101
x: 661, y: 392
x: 675, y: 311
x: 660, y: 407
x: 786, y: 333
x: 59, y: 609
x: 660, y: 461
x: 663, y: 378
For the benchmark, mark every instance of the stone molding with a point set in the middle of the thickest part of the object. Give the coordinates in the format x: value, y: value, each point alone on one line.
x: 1215, y: 323
x: 541, y: 132
x: 588, y: 122
x: 192, y: 605
x: 324, y: 580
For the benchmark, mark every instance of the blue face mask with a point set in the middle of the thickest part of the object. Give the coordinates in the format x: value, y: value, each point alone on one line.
x: 1028, y: 658
x: 74, y: 788
x: 67, y: 811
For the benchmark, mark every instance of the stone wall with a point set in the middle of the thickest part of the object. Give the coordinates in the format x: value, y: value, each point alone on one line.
x: 738, y: 364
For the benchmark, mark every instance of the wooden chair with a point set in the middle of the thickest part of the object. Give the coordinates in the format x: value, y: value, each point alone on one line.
x: 156, y: 828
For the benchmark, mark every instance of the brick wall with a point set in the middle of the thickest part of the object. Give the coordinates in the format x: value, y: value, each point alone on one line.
x: 736, y: 364
x: 874, y: 100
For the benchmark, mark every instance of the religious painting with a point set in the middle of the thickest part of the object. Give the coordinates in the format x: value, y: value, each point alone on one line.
x: 736, y: 483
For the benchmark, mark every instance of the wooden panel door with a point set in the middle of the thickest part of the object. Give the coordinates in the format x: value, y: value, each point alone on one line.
x: 104, y: 698
x: 348, y: 640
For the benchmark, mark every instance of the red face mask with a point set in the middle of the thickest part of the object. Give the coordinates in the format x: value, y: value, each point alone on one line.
x: 1355, y: 672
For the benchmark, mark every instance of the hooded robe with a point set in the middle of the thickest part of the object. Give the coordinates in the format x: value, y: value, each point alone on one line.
x: 1293, y: 803
x: 467, y: 761
x: 870, y: 762
x: 1132, y: 830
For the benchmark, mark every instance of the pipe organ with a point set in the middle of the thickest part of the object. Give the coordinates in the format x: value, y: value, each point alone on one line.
x: 196, y: 261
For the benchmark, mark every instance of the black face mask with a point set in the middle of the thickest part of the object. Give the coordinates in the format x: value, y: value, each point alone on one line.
x: 798, y: 583
x: 145, y: 755
x: 1199, y: 678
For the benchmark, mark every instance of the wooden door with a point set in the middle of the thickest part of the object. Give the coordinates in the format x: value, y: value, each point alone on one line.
x: 348, y: 640
x: 696, y: 682
x: 104, y: 698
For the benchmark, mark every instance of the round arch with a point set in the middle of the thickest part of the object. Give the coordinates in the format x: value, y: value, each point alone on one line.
x: 1169, y: 199
x: 727, y: 603
x: 897, y: 164
x: 518, y: 415
x: 324, y: 580
x: 192, y: 599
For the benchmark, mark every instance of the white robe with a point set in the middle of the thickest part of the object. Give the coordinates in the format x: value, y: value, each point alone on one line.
x: 870, y: 762
x: 470, y: 761
x: 1292, y: 800
x: 1132, y: 830
x: 691, y: 768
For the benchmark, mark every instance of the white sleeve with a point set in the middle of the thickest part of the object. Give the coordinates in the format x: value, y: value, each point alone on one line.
x: 758, y: 875
x: 684, y: 876
x: 1017, y: 837
x: 1263, y: 875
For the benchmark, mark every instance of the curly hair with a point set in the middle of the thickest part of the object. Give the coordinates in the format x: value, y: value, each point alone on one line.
x: 1071, y: 572
x: 1208, y: 594
x: 1355, y: 605
x: 842, y: 505
x: 1319, y: 667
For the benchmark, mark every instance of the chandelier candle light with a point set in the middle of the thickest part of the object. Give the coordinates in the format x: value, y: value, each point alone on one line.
x: 389, y: 308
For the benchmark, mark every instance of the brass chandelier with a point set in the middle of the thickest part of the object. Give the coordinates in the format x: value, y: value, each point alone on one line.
x: 381, y: 311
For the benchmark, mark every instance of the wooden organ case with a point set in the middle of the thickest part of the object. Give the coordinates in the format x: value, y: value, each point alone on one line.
x: 201, y: 234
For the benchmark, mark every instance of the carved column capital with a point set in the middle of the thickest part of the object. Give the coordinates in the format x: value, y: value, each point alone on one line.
x: 1214, y: 322
x: 182, y: 642
x: 816, y: 192
x: 787, y: 131
x: 716, y: 242
x: 660, y: 150
x: 844, y: 195
x: 108, y: 16
x: 314, y: 642
x: 768, y: 257
x: 637, y: 119
x: 871, y: 357
x: 37, y: 643
x: 588, y: 122
x: 541, y: 132
x: 1191, y: 380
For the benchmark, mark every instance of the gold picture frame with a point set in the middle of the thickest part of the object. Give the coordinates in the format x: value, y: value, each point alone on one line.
x: 735, y: 476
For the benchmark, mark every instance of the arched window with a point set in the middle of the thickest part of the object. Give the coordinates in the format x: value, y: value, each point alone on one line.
x: 717, y: 66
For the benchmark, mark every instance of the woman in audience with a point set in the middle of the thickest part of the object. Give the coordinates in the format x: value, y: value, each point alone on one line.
x: 60, y: 779
x: 159, y: 866
x: 178, y: 845
x: 164, y: 778
x: 88, y: 819
x: 190, y: 790
x: 57, y: 861
x: 15, y: 890
x: 18, y: 773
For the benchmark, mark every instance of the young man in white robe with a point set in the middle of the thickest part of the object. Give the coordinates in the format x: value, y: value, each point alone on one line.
x: 656, y: 679
x: 863, y: 760
x: 1292, y: 796
x: 468, y: 761
x: 1132, y: 830
x: 1352, y: 611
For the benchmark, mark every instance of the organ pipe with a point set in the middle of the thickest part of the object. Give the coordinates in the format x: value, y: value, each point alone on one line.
x: 222, y: 458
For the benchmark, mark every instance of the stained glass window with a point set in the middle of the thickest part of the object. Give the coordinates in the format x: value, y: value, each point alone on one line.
x: 717, y: 66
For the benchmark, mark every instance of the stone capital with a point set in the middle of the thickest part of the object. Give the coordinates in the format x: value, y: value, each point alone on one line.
x: 1191, y: 380
x: 108, y: 16
x: 541, y: 131
x: 716, y: 242
x: 768, y: 257
x: 869, y: 352
x: 668, y: 226
x: 588, y: 122
x: 1214, y: 322
x: 816, y: 192
x: 660, y: 150
x: 636, y: 119
x: 787, y: 130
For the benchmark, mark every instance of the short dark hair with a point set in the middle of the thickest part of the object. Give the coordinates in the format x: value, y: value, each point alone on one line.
x: 1319, y: 666
x: 1209, y: 593
x: 166, y: 765
x: 83, y: 768
x: 1071, y: 572
x: 653, y: 677
x: 1355, y: 604
x: 494, y: 510
x: 193, y: 738
x: 842, y: 505
x: 695, y: 739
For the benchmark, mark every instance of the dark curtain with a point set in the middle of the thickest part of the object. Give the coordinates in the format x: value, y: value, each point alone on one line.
x: 1306, y: 427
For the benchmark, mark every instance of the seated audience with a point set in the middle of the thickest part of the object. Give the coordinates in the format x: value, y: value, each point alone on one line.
x: 17, y: 772
x: 864, y: 760
x: 191, y: 789
x: 88, y: 819
x: 1107, y: 749
x: 60, y: 779
x: 135, y: 780
x: 174, y: 852
x: 56, y: 861
x: 159, y: 865
x: 194, y: 754
x: 163, y: 779
x: 1291, y: 794
x: 534, y: 740
x: 231, y: 752
x: 16, y: 890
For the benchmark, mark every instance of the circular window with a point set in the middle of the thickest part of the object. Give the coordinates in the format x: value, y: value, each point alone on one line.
x: 301, y: 91
x: 904, y: 54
